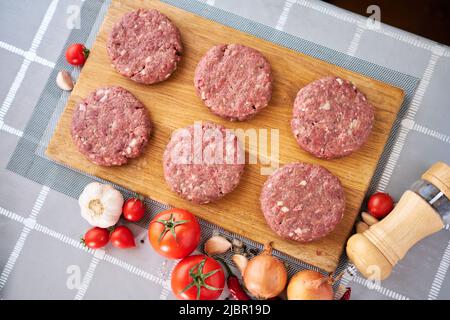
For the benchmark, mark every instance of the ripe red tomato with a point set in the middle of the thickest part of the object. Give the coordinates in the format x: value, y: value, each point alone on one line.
x: 122, y: 238
x: 96, y: 238
x: 174, y: 233
x: 76, y: 54
x: 133, y: 209
x: 380, y: 204
x: 198, y: 277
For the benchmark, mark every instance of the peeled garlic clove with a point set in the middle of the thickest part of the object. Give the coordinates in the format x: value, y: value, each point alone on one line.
x: 64, y: 80
x: 361, y: 227
x: 217, y: 245
x: 237, y: 245
x: 368, y: 218
x: 240, y: 261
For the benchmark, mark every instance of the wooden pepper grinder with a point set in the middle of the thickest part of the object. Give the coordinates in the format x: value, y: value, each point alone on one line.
x: 421, y: 211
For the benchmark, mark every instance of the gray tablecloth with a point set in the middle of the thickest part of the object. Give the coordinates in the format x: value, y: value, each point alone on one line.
x: 40, y: 255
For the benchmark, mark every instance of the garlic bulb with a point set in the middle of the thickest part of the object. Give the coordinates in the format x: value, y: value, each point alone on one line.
x: 101, y: 204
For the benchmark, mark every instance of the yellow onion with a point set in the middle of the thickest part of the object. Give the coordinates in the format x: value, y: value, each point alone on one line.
x: 265, y: 276
x: 310, y: 285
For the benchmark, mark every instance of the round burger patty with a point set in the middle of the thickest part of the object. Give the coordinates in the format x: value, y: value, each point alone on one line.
x: 234, y: 81
x: 302, y: 202
x: 110, y: 126
x: 145, y: 46
x: 331, y: 118
x: 203, y: 166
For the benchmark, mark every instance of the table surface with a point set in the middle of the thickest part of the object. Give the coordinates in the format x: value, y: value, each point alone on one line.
x: 40, y: 257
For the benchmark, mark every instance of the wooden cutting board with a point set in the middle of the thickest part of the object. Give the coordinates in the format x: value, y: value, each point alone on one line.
x: 173, y: 104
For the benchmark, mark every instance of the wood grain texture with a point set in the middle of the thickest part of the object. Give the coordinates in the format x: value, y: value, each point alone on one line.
x: 173, y: 104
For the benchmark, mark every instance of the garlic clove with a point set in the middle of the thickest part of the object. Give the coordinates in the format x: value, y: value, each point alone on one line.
x: 86, y: 214
x: 368, y: 218
x: 64, y: 80
x: 237, y: 245
x: 241, y: 262
x: 217, y: 245
x: 361, y: 227
x: 111, y: 198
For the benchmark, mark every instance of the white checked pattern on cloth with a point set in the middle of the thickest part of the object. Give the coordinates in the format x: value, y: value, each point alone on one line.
x: 408, y: 125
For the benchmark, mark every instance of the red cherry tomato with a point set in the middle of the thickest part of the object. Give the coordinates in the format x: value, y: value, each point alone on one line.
x: 122, y: 238
x: 174, y: 233
x: 96, y: 238
x: 76, y: 54
x: 133, y: 209
x: 380, y: 204
x: 198, y: 277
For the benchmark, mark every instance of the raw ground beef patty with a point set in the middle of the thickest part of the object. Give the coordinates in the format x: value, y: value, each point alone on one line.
x: 193, y: 167
x: 302, y: 202
x: 234, y: 81
x: 145, y: 46
x: 331, y: 118
x: 110, y: 126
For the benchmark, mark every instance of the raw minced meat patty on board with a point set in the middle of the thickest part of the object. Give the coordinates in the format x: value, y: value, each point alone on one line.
x: 302, y: 202
x: 234, y: 81
x: 110, y: 126
x: 331, y: 118
x: 145, y: 46
x: 200, y: 168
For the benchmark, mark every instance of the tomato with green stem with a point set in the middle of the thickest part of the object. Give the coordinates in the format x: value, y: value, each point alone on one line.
x: 198, y: 277
x: 174, y: 233
x: 76, y: 54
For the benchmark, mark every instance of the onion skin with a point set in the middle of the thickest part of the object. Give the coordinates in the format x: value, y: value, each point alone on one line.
x: 265, y: 276
x: 310, y: 285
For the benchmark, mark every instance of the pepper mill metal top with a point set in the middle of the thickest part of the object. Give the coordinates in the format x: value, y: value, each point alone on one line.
x: 421, y: 211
